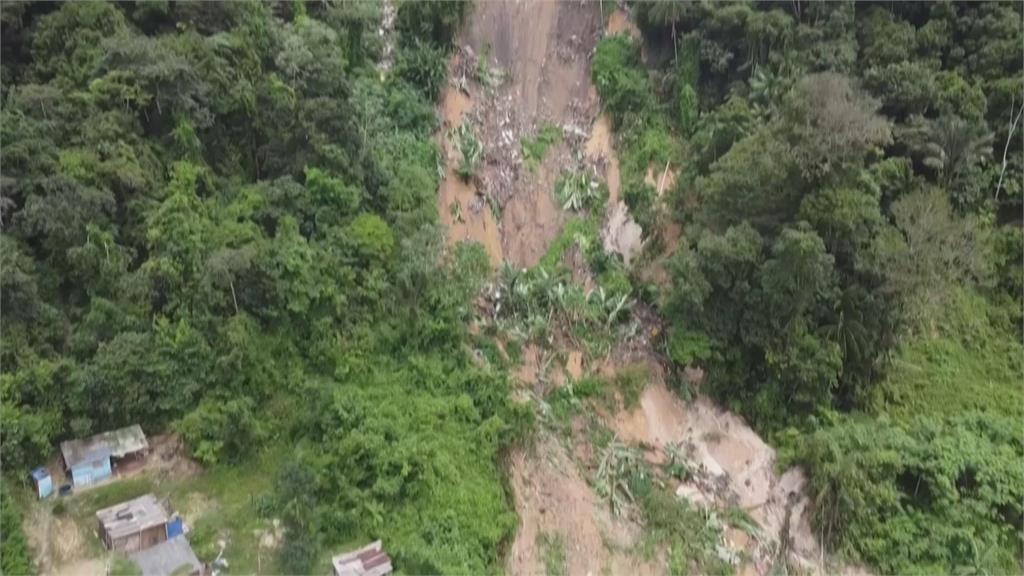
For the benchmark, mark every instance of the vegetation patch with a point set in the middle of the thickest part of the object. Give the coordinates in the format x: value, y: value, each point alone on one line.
x: 469, y: 149
x: 535, y: 148
x: 577, y: 191
x: 969, y: 361
x: 552, y: 549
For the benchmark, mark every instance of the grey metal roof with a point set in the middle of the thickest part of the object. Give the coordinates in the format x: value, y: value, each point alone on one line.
x: 167, y: 557
x: 117, y: 442
x: 370, y: 560
x: 132, y: 516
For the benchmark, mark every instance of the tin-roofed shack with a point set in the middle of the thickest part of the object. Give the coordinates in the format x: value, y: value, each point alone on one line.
x: 133, y: 525
x: 96, y: 458
x: 370, y: 560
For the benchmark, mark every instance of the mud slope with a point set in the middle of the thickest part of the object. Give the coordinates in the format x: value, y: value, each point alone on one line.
x: 543, y: 49
x: 540, y: 51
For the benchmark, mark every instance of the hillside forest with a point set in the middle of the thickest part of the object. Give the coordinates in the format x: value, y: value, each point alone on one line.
x: 220, y: 220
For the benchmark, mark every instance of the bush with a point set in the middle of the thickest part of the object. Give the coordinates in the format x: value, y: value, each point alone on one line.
x: 422, y: 66
x: 221, y: 430
x: 577, y: 191
x: 619, y: 77
x: 433, y: 22
x: 535, y: 148
x: 14, y: 554
x: 930, y: 495
x: 470, y: 150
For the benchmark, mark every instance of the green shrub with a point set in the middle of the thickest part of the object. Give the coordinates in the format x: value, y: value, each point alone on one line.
x: 433, y: 22
x: 14, y: 554
x: 422, y: 66
x: 469, y: 148
x: 619, y: 77
x: 577, y: 191
x: 630, y: 382
x: 535, y: 148
x: 222, y: 430
x: 553, y: 552
x: 930, y: 495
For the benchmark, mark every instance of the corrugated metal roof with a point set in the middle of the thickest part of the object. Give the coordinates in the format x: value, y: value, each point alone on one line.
x: 132, y: 516
x: 167, y: 557
x: 116, y: 443
x: 370, y: 560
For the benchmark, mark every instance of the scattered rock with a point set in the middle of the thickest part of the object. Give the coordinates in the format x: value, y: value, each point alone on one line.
x: 622, y: 234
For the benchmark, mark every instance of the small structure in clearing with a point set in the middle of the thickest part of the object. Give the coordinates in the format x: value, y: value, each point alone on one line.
x: 43, y: 482
x: 95, y: 459
x: 175, y: 556
x: 133, y: 525
x: 370, y: 560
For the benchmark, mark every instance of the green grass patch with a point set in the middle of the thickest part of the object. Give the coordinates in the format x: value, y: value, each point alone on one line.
x: 122, y: 566
x: 535, y: 148
x: 84, y: 504
x: 972, y: 361
x: 488, y: 348
x: 688, y: 535
x: 630, y: 382
x: 583, y: 230
x: 578, y: 191
x: 552, y: 550
x: 569, y: 400
x: 225, y: 502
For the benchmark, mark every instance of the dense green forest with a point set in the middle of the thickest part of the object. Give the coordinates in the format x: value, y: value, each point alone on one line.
x: 220, y: 219
x: 851, y: 279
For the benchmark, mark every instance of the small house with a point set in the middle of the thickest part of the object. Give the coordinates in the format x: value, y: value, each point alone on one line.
x: 174, y: 556
x: 43, y: 482
x: 370, y: 560
x: 133, y: 525
x: 94, y: 459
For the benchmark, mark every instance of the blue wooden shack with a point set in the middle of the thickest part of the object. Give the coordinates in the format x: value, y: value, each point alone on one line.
x: 95, y: 459
x: 43, y: 482
x: 91, y: 467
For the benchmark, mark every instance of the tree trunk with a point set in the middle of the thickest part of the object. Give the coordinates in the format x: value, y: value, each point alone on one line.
x: 1006, y: 147
x: 675, y: 44
x: 234, y: 299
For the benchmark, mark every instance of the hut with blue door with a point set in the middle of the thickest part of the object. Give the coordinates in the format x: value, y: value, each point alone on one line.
x: 97, y: 458
x: 43, y: 482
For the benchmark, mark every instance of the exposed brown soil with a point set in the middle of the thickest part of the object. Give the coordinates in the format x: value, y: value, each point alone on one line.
x: 552, y: 498
x: 464, y: 212
x: 620, y: 23
x: 59, y: 545
x: 661, y: 178
x: 542, y: 48
x: 734, y: 459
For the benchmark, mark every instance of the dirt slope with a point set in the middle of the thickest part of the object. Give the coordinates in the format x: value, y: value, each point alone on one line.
x: 541, y: 50
x: 739, y: 465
